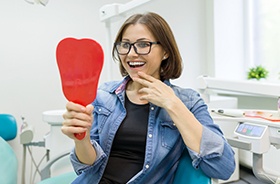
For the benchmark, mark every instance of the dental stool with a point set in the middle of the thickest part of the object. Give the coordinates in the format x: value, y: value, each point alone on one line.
x: 8, y: 159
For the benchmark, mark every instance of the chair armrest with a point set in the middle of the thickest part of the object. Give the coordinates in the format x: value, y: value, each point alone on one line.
x: 46, y: 171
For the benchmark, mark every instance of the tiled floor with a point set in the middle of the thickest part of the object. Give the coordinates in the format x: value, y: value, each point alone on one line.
x: 246, y: 177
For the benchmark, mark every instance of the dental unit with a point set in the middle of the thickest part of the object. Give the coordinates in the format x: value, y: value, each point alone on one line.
x: 255, y: 134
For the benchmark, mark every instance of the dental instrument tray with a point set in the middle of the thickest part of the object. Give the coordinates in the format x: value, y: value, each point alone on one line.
x: 263, y: 114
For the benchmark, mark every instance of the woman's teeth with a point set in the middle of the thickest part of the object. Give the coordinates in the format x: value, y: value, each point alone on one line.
x: 136, y: 64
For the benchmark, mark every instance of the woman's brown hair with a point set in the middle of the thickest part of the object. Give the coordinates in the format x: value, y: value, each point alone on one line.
x: 171, y: 68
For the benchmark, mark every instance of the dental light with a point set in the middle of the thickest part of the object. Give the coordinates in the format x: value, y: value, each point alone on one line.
x: 112, y: 10
x: 42, y: 2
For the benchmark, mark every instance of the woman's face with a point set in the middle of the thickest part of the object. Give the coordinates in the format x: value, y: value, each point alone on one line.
x: 133, y: 62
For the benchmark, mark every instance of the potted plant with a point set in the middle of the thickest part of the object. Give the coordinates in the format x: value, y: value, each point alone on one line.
x: 258, y: 72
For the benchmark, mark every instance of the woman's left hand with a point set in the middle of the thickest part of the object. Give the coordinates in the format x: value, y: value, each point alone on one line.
x: 155, y: 91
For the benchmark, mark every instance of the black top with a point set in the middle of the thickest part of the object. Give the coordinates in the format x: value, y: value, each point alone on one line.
x: 128, y: 151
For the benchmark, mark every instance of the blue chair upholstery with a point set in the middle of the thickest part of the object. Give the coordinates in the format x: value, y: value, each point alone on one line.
x: 8, y: 159
x: 187, y: 174
x: 8, y: 163
x: 8, y: 127
x: 66, y: 178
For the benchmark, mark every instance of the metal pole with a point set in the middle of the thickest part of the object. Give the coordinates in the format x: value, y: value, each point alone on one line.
x: 23, y: 165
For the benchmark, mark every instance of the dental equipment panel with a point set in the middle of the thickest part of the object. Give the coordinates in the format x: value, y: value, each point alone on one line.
x: 255, y: 135
x: 247, y: 92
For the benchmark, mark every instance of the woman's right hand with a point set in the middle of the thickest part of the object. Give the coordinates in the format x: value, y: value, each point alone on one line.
x: 77, y: 119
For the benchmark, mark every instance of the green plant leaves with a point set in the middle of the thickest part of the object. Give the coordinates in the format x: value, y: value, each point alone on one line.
x: 257, y: 72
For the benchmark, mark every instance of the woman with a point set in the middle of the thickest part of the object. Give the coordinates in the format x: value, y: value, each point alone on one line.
x: 138, y: 128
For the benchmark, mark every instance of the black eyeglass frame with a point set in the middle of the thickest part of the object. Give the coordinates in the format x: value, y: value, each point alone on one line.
x: 134, y: 47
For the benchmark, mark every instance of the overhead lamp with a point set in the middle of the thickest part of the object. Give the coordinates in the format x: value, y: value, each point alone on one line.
x: 42, y: 2
x: 109, y: 11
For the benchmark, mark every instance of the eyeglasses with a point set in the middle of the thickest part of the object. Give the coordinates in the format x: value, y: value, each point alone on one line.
x: 140, y: 47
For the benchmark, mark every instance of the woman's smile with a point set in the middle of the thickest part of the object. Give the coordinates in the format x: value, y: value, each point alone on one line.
x: 136, y: 64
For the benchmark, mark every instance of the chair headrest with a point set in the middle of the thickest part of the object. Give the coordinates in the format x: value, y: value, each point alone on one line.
x: 8, y: 127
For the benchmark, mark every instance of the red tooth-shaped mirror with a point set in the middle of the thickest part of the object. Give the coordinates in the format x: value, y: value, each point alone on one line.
x: 80, y: 62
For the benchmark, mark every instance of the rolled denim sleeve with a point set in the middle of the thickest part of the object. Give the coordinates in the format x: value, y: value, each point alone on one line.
x: 215, y: 153
x: 80, y: 167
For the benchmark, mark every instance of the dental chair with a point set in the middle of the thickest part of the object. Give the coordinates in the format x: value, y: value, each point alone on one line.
x: 65, y: 178
x: 9, y: 162
x: 187, y: 174
x: 8, y: 159
x: 8, y: 127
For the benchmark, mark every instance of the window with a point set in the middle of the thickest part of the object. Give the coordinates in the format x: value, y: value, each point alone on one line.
x: 264, y: 40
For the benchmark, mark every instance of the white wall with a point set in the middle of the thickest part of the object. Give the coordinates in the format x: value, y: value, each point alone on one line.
x: 29, y: 77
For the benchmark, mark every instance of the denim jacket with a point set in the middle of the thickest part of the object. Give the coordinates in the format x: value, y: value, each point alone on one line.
x: 164, y: 143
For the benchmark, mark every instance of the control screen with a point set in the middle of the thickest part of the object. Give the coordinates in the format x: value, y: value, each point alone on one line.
x: 250, y: 130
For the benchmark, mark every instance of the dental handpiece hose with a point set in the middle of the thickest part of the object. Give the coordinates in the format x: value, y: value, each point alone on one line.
x: 230, y: 112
